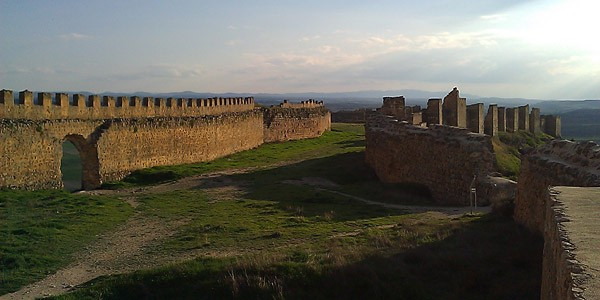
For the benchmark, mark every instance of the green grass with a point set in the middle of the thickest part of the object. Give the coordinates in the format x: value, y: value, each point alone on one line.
x: 265, y: 237
x: 40, y: 230
x: 342, y: 138
x: 508, y: 148
x: 465, y: 258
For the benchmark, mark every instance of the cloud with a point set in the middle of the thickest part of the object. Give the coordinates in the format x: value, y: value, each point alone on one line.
x: 493, y: 18
x: 74, y: 36
x: 161, y: 71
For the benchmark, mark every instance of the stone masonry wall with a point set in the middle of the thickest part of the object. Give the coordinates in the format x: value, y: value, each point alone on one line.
x: 132, y: 144
x: 571, y: 264
x: 111, y: 149
x: 559, y: 163
x: 284, y: 124
x: 442, y: 158
x: 61, y: 106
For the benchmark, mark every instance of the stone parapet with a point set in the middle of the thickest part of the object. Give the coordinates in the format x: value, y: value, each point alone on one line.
x: 571, y: 260
x: 46, y: 106
x: 558, y: 163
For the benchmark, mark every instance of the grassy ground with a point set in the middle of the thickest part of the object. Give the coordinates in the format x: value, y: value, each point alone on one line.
x: 40, y: 230
x: 417, y: 257
x: 260, y: 234
x: 342, y: 139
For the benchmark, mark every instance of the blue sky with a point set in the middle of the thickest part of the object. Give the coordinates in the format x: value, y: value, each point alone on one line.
x: 534, y: 49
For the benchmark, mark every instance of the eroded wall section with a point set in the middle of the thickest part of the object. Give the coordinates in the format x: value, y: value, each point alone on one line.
x: 443, y: 158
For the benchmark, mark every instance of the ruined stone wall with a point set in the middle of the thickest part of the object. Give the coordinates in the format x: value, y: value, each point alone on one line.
x: 31, y: 151
x: 558, y: 163
x: 303, y: 104
x: 284, y: 124
x: 60, y: 106
x: 442, y: 158
x: 571, y: 264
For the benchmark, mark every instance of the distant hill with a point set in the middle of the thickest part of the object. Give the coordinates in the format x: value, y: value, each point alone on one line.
x: 566, y: 106
x: 581, y: 124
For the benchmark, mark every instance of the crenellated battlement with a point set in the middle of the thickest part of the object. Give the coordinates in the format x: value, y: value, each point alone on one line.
x: 47, y: 106
x: 303, y: 104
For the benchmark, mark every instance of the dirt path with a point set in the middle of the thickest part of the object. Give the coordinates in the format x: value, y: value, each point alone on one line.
x: 129, y: 247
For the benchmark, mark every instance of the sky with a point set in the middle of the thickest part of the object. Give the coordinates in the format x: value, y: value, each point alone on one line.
x: 543, y: 49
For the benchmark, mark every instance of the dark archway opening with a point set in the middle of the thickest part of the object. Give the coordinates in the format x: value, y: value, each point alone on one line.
x: 82, y: 173
x: 71, y: 167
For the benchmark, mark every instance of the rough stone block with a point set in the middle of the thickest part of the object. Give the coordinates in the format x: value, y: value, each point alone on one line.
x: 524, y: 117
x: 512, y: 119
x: 501, y: 119
x: 491, y: 120
x: 434, y: 111
x: 455, y: 110
x: 534, y: 121
x: 475, y: 118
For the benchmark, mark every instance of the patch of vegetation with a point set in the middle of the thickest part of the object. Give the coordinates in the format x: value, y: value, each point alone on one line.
x: 342, y: 138
x: 465, y: 258
x: 40, y: 230
x: 509, y: 146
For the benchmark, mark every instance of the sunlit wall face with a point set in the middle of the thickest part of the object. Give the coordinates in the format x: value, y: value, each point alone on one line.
x: 534, y: 49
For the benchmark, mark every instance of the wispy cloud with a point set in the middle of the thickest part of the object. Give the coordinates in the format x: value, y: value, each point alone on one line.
x: 74, y: 36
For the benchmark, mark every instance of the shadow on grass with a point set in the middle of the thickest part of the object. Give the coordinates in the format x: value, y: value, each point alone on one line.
x: 487, y: 258
x: 349, y: 173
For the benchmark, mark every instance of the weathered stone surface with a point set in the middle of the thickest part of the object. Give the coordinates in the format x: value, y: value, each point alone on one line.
x: 154, y: 132
x: 434, y: 112
x: 444, y: 159
x: 394, y: 106
x: 455, y: 109
x: 561, y: 163
x: 534, y: 121
x: 284, y: 124
x: 491, y: 120
x: 501, y: 119
x: 475, y: 121
x: 523, y: 117
x: 552, y: 125
x: 95, y: 108
x: 571, y: 260
x: 512, y: 119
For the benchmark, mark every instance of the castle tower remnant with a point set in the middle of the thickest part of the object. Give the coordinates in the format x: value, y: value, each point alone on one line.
x: 455, y: 109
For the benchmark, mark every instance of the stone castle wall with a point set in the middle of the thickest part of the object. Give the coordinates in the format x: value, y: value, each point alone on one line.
x: 571, y: 264
x: 284, y: 124
x: 61, y: 106
x: 442, y: 158
x: 110, y: 148
x: 132, y: 144
x: 559, y: 163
